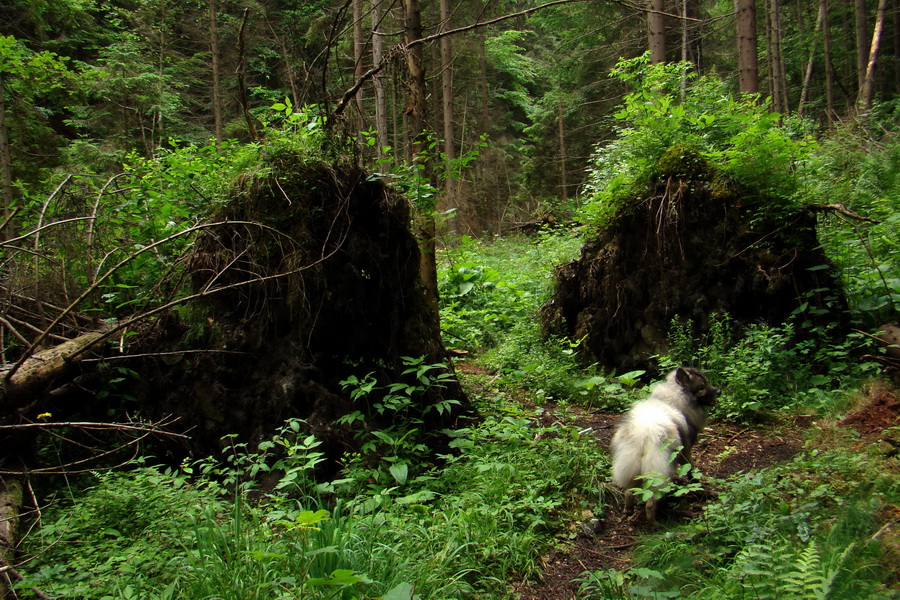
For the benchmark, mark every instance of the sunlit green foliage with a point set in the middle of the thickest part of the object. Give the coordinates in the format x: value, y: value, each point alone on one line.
x: 458, y: 531
x: 804, y: 525
x: 745, y: 145
x: 866, y: 179
x: 749, y: 364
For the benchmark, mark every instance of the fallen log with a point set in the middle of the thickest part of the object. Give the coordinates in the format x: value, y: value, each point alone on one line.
x: 43, y: 372
x: 10, y: 504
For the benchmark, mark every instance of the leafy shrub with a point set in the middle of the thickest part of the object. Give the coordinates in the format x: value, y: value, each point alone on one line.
x: 800, y: 529
x: 762, y: 369
x: 850, y: 171
x: 126, y: 531
x: 487, y: 287
x: 738, y: 136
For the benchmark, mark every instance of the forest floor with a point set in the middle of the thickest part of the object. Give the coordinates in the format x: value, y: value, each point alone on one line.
x: 723, y: 450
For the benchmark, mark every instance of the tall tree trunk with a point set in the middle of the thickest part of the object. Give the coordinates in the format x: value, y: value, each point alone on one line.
x: 359, y: 46
x: 776, y: 60
x: 381, y: 123
x: 862, y: 43
x: 415, y: 111
x: 216, y: 81
x: 896, y: 13
x: 5, y: 170
x: 450, y: 196
x: 782, y: 70
x: 804, y: 94
x: 771, y: 83
x: 483, y: 81
x: 867, y: 93
x: 657, y: 29
x: 685, y: 52
x: 748, y: 78
x: 829, y: 68
x: 564, y: 184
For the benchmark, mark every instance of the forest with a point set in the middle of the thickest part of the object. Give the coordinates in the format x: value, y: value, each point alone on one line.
x: 345, y: 299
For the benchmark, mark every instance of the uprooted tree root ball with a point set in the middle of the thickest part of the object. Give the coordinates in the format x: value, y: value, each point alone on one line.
x: 318, y: 275
x: 693, y: 247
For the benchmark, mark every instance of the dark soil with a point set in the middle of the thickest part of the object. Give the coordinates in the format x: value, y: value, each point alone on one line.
x: 691, y: 247
x: 317, y: 276
x: 606, y: 541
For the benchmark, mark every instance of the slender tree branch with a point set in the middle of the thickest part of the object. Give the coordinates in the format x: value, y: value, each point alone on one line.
x: 100, y: 280
x: 843, y: 210
x: 91, y: 425
x: 41, y: 228
x: 402, y: 48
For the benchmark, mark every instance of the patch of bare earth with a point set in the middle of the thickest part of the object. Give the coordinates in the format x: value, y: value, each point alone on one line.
x: 723, y: 450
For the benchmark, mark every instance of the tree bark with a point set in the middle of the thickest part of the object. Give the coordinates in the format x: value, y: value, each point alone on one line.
x: 804, y: 94
x: 867, y: 92
x: 450, y: 197
x: 381, y: 123
x: 657, y: 31
x: 415, y: 111
x: 685, y: 53
x: 216, y: 81
x: 748, y: 78
x: 776, y: 60
x: 358, y: 48
x: 829, y: 68
x: 5, y: 169
x: 43, y: 371
x: 862, y: 43
x: 564, y: 184
x: 10, y: 507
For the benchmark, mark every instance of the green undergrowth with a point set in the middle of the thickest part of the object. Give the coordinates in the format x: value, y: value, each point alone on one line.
x: 462, y: 529
x: 810, y: 527
x: 491, y: 295
x: 401, y: 522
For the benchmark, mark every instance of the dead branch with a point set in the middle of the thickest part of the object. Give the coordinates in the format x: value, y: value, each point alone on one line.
x: 41, y: 370
x: 143, y: 431
x: 12, y: 573
x: 91, y: 425
x: 101, y: 279
x: 842, y: 210
x: 37, y: 230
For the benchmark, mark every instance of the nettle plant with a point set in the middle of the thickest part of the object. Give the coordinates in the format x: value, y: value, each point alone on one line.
x: 388, y: 455
x: 670, y: 105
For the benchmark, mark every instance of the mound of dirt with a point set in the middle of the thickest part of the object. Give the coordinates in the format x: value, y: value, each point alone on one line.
x: 313, y: 277
x: 693, y: 247
x: 880, y: 412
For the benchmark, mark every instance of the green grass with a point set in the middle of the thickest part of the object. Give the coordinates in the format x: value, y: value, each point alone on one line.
x: 801, y: 529
x: 467, y: 524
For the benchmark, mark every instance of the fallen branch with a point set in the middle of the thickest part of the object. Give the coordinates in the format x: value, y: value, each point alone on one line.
x: 8, y: 570
x: 145, y: 431
x: 842, y: 210
x: 98, y: 426
x: 41, y: 370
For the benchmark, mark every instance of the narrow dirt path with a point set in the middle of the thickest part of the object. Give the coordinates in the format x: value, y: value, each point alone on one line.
x: 724, y: 450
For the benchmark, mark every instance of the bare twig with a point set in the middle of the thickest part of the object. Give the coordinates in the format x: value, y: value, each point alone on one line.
x: 92, y: 425
x: 100, y: 280
x: 158, y: 354
x: 37, y: 230
x: 842, y: 210
x: 8, y: 570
